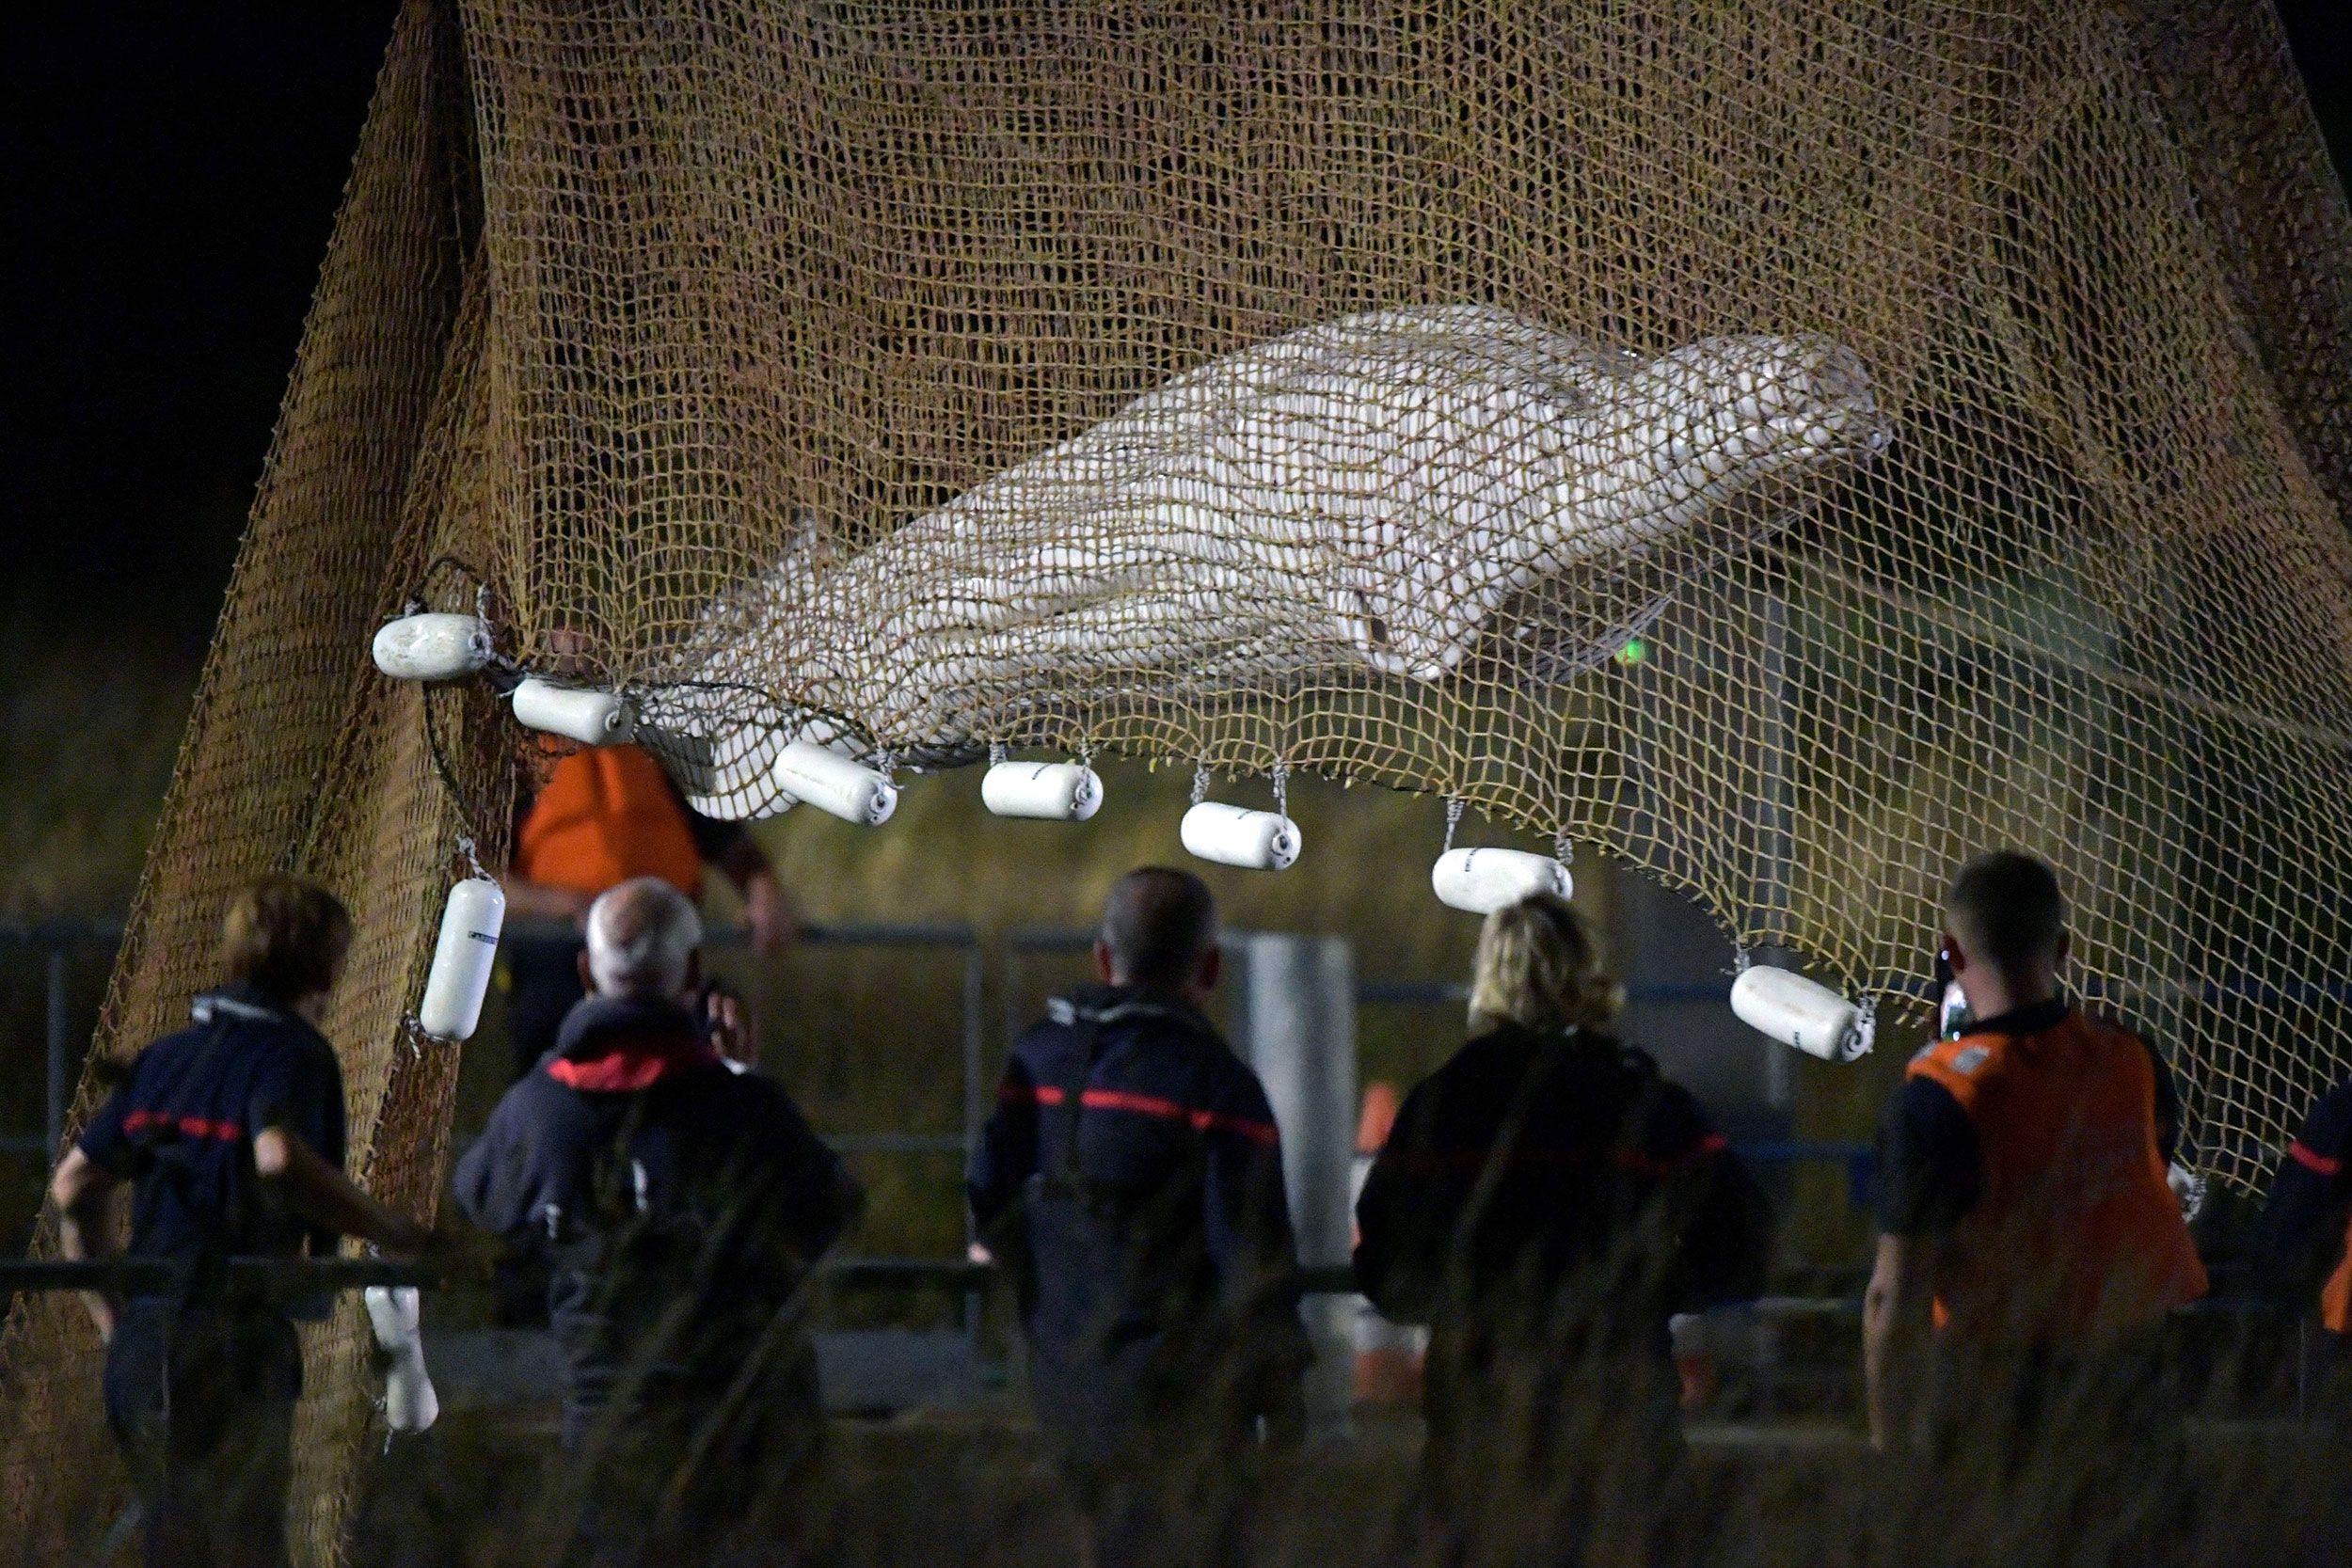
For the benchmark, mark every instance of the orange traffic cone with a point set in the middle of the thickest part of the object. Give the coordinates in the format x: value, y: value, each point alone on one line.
x: 1387, y: 1355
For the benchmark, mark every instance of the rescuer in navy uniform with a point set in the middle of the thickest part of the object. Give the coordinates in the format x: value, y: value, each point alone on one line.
x: 679, y: 1204
x: 1544, y: 1201
x: 2306, y: 1236
x: 231, y: 1134
x: 1132, y: 1178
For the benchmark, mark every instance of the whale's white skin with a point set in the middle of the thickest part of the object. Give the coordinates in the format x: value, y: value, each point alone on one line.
x: 1370, y: 490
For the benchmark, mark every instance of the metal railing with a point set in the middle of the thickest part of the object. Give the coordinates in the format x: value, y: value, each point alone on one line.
x: 295, y: 1278
x: 972, y: 1032
x: 56, y: 941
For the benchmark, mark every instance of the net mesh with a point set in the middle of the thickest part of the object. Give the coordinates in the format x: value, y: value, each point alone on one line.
x: 1949, y: 396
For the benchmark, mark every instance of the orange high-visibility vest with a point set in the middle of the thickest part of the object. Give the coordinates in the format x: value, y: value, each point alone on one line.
x: 608, y: 814
x: 2076, y: 1233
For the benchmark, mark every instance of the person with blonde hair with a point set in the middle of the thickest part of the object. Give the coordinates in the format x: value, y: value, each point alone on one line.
x: 1546, y: 1201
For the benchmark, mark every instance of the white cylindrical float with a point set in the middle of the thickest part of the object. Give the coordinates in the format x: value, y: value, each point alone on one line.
x: 591, y: 716
x: 433, y: 647
x: 1485, y: 880
x: 409, y: 1402
x: 1801, y: 1013
x: 1235, y: 835
x: 834, y: 784
x: 1048, y: 791
x: 462, y: 960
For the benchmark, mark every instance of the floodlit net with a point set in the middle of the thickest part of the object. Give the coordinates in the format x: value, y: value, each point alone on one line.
x: 1944, y: 400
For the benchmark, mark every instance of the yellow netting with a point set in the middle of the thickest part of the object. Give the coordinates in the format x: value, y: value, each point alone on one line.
x: 1950, y: 394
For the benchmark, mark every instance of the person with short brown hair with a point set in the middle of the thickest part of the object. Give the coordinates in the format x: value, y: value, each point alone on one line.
x: 1130, y: 1179
x: 229, y: 1135
x: 2029, y: 1246
x: 285, y: 937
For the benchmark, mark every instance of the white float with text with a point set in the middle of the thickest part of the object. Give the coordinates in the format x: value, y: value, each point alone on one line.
x: 591, y: 716
x: 433, y: 647
x: 1801, y: 1013
x: 1047, y: 791
x: 816, y: 776
x: 462, y: 960
x: 1485, y: 880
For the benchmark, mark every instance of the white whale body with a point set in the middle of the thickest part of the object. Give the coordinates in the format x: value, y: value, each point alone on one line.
x: 1368, y: 491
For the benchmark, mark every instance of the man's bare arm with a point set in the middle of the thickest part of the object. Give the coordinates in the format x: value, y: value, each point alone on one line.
x: 1897, y: 1334
x: 529, y: 900
x: 311, y: 1187
x: 767, y: 907
x: 84, y: 1192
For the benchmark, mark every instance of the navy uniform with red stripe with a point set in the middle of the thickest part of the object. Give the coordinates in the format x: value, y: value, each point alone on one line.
x: 1545, y: 1202
x: 200, y: 1384
x: 2307, y: 1220
x: 640, y: 1168
x: 1132, y: 1177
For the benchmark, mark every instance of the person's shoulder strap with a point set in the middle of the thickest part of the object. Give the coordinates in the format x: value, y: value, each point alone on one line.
x: 2323, y: 1145
x: 1066, y: 1099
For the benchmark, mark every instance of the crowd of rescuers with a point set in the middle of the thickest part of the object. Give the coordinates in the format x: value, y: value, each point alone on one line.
x: 1545, y: 1200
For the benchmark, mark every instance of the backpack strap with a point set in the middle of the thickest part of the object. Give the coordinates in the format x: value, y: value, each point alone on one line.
x: 1068, y: 1178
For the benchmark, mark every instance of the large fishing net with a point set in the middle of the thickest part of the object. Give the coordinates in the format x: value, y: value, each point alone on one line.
x: 1946, y: 399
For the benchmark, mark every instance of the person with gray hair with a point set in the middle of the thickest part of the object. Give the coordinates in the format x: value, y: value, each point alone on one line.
x: 643, y: 940
x: 678, y: 1206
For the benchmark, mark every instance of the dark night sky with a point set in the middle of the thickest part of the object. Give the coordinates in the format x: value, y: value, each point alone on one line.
x: 174, y: 171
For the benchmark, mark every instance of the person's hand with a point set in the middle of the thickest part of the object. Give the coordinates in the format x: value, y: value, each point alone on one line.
x: 767, y: 911
x: 734, y: 1029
